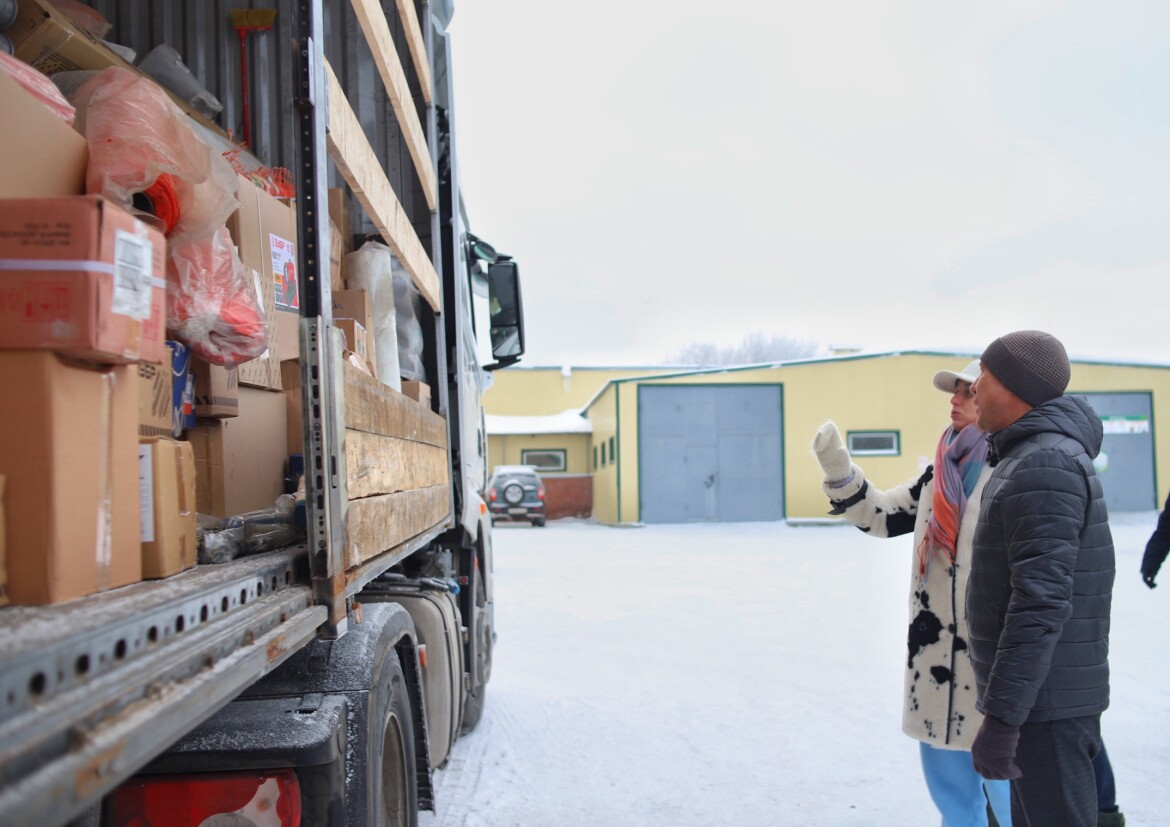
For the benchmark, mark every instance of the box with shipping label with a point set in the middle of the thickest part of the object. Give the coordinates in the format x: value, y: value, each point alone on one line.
x: 52, y: 155
x: 217, y: 389
x: 265, y: 231
x: 166, y: 476
x: 83, y: 277
x: 240, y: 462
x: 68, y: 451
x: 264, y: 370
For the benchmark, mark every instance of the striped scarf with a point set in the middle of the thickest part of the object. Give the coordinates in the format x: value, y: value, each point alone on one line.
x: 955, y: 454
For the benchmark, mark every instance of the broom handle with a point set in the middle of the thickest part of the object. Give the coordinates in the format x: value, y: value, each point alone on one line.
x: 244, y: 84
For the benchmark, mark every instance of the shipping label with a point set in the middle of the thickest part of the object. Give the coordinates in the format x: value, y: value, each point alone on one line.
x: 133, y: 255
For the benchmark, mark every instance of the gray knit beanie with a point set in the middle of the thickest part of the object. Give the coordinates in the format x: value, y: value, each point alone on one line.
x: 1031, y: 364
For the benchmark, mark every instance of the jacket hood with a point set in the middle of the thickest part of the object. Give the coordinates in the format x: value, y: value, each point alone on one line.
x: 1070, y: 416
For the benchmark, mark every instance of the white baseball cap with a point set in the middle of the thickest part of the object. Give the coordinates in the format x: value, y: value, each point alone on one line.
x: 948, y: 380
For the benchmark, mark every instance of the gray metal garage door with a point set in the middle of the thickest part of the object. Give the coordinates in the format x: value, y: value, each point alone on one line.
x: 710, y: 453
x: 1126, y: 462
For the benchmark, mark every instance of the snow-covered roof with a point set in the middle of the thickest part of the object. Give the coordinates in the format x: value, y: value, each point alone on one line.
x: 566, y: 422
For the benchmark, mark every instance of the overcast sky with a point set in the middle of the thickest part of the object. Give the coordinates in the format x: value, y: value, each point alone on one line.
x: 883, y: 174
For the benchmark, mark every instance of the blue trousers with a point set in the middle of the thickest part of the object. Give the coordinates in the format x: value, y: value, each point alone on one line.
x: 960, y: 793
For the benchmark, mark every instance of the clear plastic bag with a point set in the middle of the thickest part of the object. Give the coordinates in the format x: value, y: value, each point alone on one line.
x: 251, y: 533
x: 371, y: 268
x: 211, y: 306
x: 39, y: 85
x: 407, y: 304
x: 136, y: 136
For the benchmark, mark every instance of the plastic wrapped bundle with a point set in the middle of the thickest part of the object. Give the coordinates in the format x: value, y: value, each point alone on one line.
x: 371, y: 268
x: 136, y: 135
x: 407, y: 303
x: 210, y: 304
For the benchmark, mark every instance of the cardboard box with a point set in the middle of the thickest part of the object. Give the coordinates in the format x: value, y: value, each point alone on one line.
x: 290, y: 373
x: 264, y: 370
x: 354, y: 304
x: 166, y: 476
x: 155, y: 396
x: 68, y: 449
x: 265, y: 231
x: 52, y: 156
x: 240, y: 462
x: 357, y: 340
x: 217, y: 390
x: 418, y: 391
x: 3, y: 567
x: 182, y: 389
x: 82, y: 277
x: 46, y: 38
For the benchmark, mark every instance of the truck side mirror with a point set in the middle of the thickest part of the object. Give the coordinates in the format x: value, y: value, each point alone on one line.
x: 507, y: 315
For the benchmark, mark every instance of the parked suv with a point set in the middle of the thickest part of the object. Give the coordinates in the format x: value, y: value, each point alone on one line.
x: 515, y: 492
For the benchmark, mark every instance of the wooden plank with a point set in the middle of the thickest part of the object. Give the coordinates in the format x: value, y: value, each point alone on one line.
x: 359, y: 166
x: 376, y: 524
x: 373, y: 22
x: 375, y: 408
x: 376, y: 464
x: 417, y: 45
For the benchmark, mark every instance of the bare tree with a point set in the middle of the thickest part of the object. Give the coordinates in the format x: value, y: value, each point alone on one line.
x: 755, y: 348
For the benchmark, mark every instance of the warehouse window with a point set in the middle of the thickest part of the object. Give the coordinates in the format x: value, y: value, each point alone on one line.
x: 544, y: 459
x: 594, y: 457
x: 611, y: 440
x: 874, y: 443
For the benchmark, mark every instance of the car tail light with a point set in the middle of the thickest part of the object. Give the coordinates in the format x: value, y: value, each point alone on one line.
x: 492, y: 494
x: 540, y: 493
x: 238, y: 799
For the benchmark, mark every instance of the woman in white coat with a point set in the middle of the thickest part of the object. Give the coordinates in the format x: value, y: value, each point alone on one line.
x: 941, y: 507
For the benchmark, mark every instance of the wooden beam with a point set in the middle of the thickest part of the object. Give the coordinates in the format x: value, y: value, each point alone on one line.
x: 375, y: 524
x: 373, y: 22
x: 376, y: 464
x: 359, y: 166
x: 375, y: 408
x: 417, y: 44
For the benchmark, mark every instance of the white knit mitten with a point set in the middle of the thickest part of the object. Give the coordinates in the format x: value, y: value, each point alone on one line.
x: 832, y: 453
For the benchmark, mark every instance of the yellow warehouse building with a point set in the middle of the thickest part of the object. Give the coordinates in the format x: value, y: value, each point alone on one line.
x: 732, y: 444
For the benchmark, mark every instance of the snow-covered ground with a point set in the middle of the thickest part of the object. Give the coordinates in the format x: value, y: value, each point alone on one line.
x: 744, y: 674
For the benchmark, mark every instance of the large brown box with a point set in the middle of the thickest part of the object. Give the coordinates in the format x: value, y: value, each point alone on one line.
x: 217, y: 390
x: 68, y: 449
x: 240, y: 462
x: 85, y: 278
x: 265, y: 231
x: 290, y: 373
x: 166, y: 473
x: 52, y: 156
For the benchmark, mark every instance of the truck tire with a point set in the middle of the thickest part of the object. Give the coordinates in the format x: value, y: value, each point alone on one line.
x: 390, y: 768
x: 484, y: 636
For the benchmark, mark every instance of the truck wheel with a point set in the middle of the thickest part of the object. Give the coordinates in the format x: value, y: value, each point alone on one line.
x: 391, y: 779
x: 484, y: 635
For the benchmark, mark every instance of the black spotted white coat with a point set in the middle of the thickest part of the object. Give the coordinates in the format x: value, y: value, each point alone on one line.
x: 939, y: 704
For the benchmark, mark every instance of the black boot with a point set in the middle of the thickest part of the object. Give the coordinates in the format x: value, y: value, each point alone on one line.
x: 1113, y: 819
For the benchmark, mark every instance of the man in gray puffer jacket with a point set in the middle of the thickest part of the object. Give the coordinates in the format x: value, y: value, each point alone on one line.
x: 1041, y: 583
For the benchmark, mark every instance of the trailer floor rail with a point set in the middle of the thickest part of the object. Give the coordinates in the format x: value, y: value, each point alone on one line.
x: 92, y: 690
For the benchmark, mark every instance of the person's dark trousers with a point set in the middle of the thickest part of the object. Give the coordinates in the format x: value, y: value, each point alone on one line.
x: 1057, y: 787
x: 1106, y: 791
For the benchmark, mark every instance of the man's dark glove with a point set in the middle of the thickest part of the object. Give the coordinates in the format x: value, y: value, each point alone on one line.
x: 1148, y: 579
x: 994, y: 750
